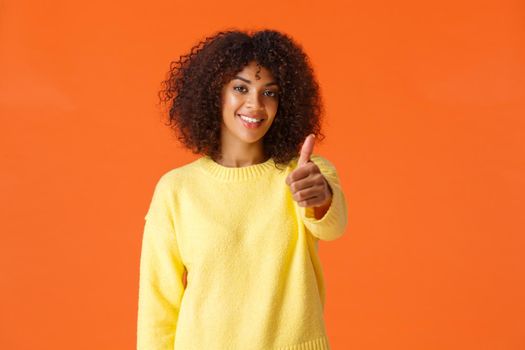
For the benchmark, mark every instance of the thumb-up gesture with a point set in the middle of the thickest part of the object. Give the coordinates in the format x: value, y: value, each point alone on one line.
x: 309, y: 187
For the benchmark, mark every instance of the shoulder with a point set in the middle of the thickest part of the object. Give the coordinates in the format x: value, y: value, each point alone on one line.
x: 172, y: 179
x: 319, y: 160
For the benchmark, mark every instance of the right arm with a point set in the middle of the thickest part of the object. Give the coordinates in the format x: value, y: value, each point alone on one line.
x: 161, y: 276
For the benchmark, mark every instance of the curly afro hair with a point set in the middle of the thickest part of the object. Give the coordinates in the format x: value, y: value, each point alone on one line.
x: 192, y: 91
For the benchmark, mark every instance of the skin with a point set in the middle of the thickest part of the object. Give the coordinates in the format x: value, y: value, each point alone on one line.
x: 308, y: 186
x: 254, y: 92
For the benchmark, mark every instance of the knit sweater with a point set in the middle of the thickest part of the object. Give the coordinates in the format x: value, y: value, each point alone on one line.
x: 229, y: 260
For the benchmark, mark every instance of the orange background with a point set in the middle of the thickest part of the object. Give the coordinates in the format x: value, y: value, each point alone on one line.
x: 425, y: 124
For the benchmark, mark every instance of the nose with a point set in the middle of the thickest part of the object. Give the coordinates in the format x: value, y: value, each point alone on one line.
x: 253, y: 101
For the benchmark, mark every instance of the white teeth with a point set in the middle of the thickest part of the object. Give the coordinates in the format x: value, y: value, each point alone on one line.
x: 248, y: 119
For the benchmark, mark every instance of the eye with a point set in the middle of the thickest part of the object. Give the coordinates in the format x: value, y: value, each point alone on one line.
x: 239, y: 88
x: 270, y: 93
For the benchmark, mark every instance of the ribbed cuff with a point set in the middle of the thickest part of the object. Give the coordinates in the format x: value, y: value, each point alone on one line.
x: 331, y: 226
x: 316, y: 344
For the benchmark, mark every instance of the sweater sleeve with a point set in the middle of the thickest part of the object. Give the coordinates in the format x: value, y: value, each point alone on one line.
x: 161, y: 275
x: 332, y: 225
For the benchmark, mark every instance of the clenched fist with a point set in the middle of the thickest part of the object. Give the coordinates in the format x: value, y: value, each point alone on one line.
x: 308, y: 186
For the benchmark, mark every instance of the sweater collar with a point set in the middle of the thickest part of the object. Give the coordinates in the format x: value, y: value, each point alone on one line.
x: 235, y: 173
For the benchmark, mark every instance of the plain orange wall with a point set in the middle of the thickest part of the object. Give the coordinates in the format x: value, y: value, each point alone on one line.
x: 425, y: 124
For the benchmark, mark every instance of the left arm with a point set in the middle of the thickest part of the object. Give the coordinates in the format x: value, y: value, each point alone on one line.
x: 316, y: 189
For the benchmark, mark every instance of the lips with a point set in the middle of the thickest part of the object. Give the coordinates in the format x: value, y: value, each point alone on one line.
x: 251, y: 116
x: 248, y: 123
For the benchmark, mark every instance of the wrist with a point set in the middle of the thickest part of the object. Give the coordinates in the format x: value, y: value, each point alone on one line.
x: 320, y: 211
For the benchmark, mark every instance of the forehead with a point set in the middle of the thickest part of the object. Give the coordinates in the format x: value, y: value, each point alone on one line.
x: 256, y: 73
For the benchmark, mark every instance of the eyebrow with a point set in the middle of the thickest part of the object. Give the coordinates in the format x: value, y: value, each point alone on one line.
x: 249, y: 82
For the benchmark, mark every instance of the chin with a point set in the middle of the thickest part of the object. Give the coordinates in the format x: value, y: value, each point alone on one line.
x: 252, y: 139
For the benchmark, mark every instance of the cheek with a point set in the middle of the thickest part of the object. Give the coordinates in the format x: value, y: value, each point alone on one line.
x: 272, y: 108
x: 231, y: 102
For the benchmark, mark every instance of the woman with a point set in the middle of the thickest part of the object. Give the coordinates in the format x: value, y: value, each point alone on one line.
x: 229, y: 254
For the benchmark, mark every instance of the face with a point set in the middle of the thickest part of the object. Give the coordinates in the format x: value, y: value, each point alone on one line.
x: 249, y: 105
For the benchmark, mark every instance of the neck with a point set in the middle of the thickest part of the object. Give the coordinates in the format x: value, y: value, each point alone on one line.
x: 239, y: 154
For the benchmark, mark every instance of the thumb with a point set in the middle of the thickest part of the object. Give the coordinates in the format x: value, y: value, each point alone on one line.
x: 306, y: 150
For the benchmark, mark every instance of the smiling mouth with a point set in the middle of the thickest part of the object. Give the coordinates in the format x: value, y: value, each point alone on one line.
x: 250, y: 120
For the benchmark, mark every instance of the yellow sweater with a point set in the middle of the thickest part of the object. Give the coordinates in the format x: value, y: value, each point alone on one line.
x: 254, y: 279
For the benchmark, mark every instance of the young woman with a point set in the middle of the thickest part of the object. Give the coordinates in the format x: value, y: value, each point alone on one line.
x: 229, y: 253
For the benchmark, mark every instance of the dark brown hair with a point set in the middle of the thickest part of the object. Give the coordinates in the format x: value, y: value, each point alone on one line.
x: 192, y: 91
